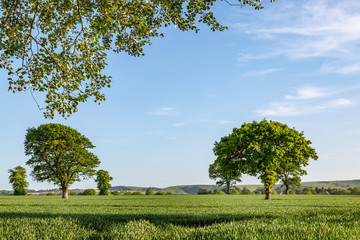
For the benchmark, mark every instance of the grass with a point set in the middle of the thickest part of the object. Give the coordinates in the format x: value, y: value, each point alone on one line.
x: 180, y: 217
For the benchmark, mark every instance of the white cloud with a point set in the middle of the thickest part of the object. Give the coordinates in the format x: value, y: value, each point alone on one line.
x: 304, y: 29
x: 281, y: 109
x: 336, y: 103
x: 351, y: 68
x: 308, y: 93
x: 224, y: 122
x: 302, y: 103
x: 180, y: 124
x: 162, y: 111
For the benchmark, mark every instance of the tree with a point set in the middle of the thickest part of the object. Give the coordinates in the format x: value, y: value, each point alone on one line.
x: 263, y: 148
x: 60, y: 47
x: 149, y: 191
x: 59, y: 154
x: 224, y: 174
x: 103, y: 182
x: 18, y: 180
x: 89, y: 192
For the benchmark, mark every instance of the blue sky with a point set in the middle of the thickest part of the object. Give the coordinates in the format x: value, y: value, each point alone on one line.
x: 297, y: 62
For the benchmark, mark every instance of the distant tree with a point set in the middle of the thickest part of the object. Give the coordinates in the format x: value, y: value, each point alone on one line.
x: 137, y: 193
x: 51, y: 194
x: 355, y: 191
x: 103, y: 182
x: 259, y: 190
x: 218, y: 192
x: 309, y: 191
x: 204, y: 191
x: 149, y: 191
x: 245, y: 191
x: 59, y: 155
x: 160, y: 193
x: 168, y: 193
x: 262, y: 148
x: 290, y: 176
x: 115, y: 192
x: 89, y: 192
x: 18, y: 180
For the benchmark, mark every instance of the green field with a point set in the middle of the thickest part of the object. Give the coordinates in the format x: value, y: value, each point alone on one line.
x: 180, y: 217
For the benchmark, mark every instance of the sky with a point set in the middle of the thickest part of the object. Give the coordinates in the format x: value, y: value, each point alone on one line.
x: 296, y: 62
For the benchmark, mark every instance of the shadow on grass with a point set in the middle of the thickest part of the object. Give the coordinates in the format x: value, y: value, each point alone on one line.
x: 100, y: 222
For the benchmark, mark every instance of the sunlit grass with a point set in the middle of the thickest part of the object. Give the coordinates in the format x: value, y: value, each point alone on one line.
x: 180, y: 217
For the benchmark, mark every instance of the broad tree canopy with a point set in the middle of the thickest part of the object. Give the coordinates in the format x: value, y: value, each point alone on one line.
x: 60, y: 46
x: 59, y: 154
x: 265, y: 148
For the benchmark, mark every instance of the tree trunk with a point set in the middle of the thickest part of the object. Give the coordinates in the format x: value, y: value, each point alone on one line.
x: 268, y: 191
x: 287, y: 189
x: 228, y: 188
x: 65, y: 192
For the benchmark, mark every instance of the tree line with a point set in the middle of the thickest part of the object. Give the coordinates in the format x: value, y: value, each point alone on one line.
x: 270, y: 150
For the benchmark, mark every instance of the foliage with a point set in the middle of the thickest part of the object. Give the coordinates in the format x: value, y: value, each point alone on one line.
x: 160, y: 193
x: 60, y: 47
x: 168, y: 193
x: 88, y: 192
x: 224, y: 174
x: 137, y: 193
x: 115, y: 193
x: 149, y: 191
x: 103, y: 182
x: 51, y: 194
x: 309, y: 191
x: 181, y: 217
x: 17, y: 178
x: 128, y: 193
x: 264, y: 149
x: 59, y: 154
x: 218, y: 192
x: 204, y: 191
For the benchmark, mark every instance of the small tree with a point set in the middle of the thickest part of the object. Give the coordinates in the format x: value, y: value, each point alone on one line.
x: 149, y: 191
x: 18, y: 180
x: 59, y: 154
x: 103, y: 182
x: 224, y: 174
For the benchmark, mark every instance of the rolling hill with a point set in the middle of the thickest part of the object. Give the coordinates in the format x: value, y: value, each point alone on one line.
x: 193, y: 189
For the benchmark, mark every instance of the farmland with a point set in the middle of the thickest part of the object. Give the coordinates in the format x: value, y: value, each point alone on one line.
x: 180, y: 217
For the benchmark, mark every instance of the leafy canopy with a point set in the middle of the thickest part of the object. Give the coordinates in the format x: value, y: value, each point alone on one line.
x: 17, y: 179
x: 103, y: 182
x: 59, y: 47
x: 266, y: 149
x: 59, y: 154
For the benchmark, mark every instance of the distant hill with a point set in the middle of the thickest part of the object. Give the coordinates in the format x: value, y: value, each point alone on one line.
x: 193, y: 189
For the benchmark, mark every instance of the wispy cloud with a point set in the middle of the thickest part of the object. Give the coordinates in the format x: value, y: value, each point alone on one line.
x: 260, y: 73
x: 282, y: 109
x: 304, y: 29
x: 181, y: 124
x: 309, y: 93
x: 335, y: 67
x: 163, y: 111
x: 302, y: 102
x: 224, y: 122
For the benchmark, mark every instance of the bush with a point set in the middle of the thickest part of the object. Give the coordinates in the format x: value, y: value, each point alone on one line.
x: 149, y: 191
x: 89, y: 192
x: 204, y: 191
x: 115, y: 192
x: 169, y: 193
x: 50, y: 194
x: 127, y: 193
x: 219, y: 192
x: 137, y: 193
x: 73, y: 193
x: 160, y: 193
